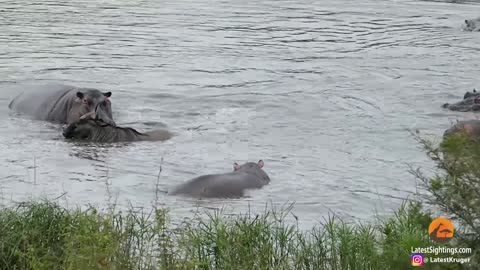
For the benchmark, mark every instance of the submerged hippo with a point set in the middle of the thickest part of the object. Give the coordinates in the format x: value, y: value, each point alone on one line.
x: 472, y: 25
x: 469, y: 127
x: 226, y: 185
x: 470, y: 102
x: 95, y: 130
x: 63, y: 104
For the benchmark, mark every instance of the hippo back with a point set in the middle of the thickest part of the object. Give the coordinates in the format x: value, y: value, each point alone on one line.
x: 227, y: 185
x: 44, y: 103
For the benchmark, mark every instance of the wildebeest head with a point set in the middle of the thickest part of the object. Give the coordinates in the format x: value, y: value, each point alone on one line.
x: 91, y: 103
x: 253, y: 168
x: 95, y: 130
x: 81, y: 129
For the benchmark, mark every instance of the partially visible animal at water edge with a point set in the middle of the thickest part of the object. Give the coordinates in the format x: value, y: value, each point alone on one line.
x: 469, y: 127
x: 95, y: 130
x: 474, y: 93
x: 470, y: 102
x: 472, y: 25
x: 63, y: 104
x: 225, y: 185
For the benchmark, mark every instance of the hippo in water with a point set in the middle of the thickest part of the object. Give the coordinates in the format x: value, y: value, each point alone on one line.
x: 226, y: 185
x: 472, y: 25
x: 474, y: 93
x: 470, y: 102
x: 469, y: 127
x: 95, y: 130
x: 63, y: 104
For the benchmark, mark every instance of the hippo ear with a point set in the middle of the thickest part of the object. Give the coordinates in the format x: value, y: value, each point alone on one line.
x: 467, y: 23
x: 80, y: 95
x: 260, y: 163
x: 474, y: 90
x: 107, y: 94
x: 236, y: 166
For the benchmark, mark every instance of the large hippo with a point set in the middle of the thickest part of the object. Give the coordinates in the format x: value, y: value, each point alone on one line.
x: 226, y: 185
x: 95, y: 130
x: 63, y: 104
x: 472, y: 25
x: 469, y: 127
x: 470, y: 102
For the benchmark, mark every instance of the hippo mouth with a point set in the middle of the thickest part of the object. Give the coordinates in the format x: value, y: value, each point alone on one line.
x: 98, y: 114
x: 90, y: 115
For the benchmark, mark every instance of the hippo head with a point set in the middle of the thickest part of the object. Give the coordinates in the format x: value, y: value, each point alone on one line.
x: 472, y: 25
x: 91, y: 104
x: 470, y: 94
x: 469, y: 25
x: 253, y: 168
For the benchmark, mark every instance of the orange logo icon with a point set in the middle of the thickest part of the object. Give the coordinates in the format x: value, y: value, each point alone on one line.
x: 441, y: 230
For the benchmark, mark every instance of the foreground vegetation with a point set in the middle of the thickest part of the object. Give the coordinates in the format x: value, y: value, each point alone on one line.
x: 44, y: 235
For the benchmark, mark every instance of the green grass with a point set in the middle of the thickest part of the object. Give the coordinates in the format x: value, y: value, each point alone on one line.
x: 44, y: 235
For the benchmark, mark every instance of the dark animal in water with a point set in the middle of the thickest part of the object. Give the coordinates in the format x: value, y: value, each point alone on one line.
x: 470, y: 102
x: 472, y: 25
x: 95, y: 130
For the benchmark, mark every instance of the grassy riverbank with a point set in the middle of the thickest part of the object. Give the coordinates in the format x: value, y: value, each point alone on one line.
x: 44, y: 235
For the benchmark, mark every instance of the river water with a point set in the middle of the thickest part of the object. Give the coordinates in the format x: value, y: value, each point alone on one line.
x: 323, y: 91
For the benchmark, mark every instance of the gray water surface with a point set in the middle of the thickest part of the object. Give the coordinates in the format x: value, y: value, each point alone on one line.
x: 323, y: 91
